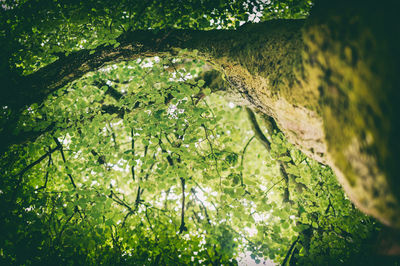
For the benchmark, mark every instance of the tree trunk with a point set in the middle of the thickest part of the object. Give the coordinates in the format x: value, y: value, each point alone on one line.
x: 331, y: 84
x: 352, y: 51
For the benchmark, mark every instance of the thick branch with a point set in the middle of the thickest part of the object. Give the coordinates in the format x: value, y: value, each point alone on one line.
x: 133, y: 44
x: 220, y: 48
x: 9, y: 137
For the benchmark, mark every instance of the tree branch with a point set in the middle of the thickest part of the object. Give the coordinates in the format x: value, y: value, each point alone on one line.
x: 183, y: 227
x: 133, y: 154
x: 210, y: 45
x: 137, y: 201
x: 289, y: 253
x: 267, y: 144
x: 21, y: 173
x: 202, y: 204
x: 213, y: 154
x: 242, y: 159
x: 169, y: 158
x: 37, y: 161
x: 65, y: 225
x: 257, y: 130
x: 47, y: 173
x: 116, y: 199
x: 100, y: 158
x: 110, y: 90
x: 63, y: 158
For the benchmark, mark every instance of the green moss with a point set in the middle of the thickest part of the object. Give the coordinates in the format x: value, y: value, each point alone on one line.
x: 273, y: 51
x: 359, y: 102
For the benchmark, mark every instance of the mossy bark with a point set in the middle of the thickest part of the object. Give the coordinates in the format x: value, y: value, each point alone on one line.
x: 351, y: 49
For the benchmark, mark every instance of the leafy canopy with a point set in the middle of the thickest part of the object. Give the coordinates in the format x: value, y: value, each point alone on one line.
x: 140, y: 163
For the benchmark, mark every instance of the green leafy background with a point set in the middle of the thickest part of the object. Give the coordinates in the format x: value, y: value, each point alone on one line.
x: 102, y: 184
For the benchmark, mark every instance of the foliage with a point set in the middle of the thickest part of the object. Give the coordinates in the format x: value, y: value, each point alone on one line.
x: 139, y: 164
x: 289, y: 9
x: 127, y: 143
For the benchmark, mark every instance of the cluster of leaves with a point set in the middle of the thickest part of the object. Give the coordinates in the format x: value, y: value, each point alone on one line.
x: 287, y: 9
x: 137, y: 164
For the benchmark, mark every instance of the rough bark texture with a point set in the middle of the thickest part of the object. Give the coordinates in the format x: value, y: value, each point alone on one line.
x: 331, y: 84
x: 352, y: 51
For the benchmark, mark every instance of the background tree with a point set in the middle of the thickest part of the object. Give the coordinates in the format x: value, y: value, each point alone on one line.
x: 125, y: 160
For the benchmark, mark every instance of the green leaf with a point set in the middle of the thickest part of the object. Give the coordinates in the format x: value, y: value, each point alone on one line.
x: 207, y: 91
x: 200, y: 83
x: 284, y: 159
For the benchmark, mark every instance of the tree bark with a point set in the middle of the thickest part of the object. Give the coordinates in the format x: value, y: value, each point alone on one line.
x: 330, y: 82
x: 351, y: 51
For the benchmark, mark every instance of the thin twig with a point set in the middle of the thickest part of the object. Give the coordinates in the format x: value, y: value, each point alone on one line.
x: 242, y: 159
x: 47, y: 173
x: 267, y: 144
x: 21, y: 173
x: 213, y: 154
x: 63, y: 157
x: 202, y: 203
x: 183, y: 227
x: 274, y: 185
x: 133, y: 154
x: 37, y: 161
x: 64, y: 226
x: 289, y: 253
